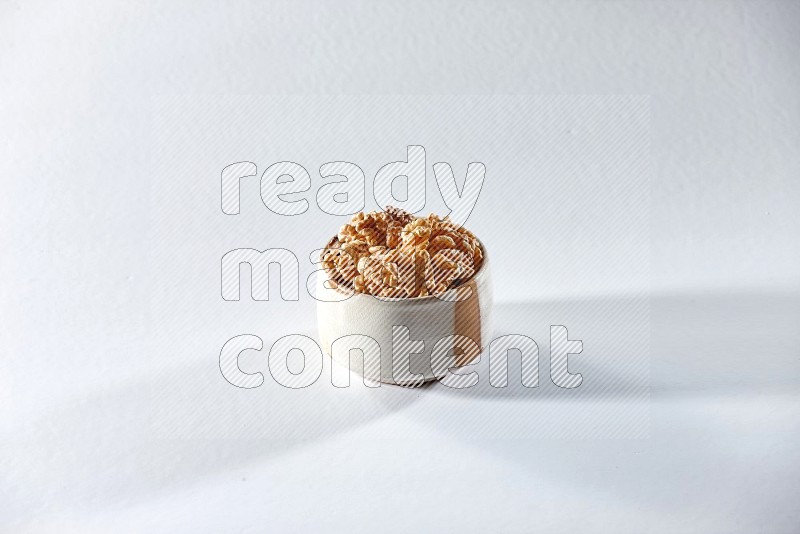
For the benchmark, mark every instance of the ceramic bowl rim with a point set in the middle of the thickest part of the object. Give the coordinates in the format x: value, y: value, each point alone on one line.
x: 407, y: 300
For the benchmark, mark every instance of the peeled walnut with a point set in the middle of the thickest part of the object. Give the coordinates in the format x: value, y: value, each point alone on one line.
x: 395, y: 254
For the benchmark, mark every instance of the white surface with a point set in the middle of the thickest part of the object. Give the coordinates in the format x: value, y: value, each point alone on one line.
x: 102, y: 428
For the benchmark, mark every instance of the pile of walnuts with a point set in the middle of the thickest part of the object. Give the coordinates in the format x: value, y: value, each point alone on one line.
x: 395, y: 254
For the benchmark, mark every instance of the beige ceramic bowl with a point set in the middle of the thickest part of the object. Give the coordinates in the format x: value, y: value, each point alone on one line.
x: 389, y: 332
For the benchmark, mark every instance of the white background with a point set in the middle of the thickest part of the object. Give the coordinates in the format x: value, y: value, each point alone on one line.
x: 87, y: 386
